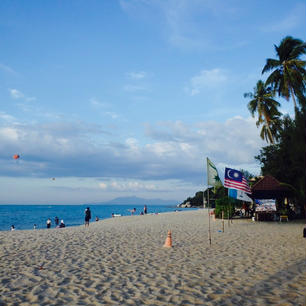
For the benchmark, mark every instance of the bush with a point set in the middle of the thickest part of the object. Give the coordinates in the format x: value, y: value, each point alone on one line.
x: 225, y: 204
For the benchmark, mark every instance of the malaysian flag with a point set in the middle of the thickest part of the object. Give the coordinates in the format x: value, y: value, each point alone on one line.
x: 234, y: 179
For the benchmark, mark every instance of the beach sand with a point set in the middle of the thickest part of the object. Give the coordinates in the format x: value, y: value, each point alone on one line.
x: 122, y: 261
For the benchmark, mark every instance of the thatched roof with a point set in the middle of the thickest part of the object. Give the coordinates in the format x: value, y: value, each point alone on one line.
x: 270, y: 188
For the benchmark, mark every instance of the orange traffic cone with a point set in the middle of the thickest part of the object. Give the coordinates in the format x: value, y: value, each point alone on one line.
x: 168, y: 242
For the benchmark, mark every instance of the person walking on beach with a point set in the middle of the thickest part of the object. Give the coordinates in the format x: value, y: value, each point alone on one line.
x: 87, y: 216
x: 48, y: 223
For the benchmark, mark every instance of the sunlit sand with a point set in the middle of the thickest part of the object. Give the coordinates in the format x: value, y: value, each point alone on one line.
x: 122, y: 261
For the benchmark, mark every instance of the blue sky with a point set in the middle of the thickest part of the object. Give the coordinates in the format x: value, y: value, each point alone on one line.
x: 121, y: 98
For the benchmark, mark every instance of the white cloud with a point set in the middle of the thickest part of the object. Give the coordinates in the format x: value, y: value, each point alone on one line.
x: 163, y: 149
x: 8, y: 69
x: 171, y: 150
x: 206, y: 79
x: 137, y: 75
x: 113, y: 115
x: 101, y: 106
x: 235, y: 141
x: 16, y: 94
x: 97, y: 103
x: 102, y: 185
x: 9, y: 134
x: 6, y: 117
x: 132, y: 142
x: 131, y: 186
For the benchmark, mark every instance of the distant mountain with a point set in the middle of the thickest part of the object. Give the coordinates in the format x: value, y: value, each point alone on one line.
x: 138, y: 201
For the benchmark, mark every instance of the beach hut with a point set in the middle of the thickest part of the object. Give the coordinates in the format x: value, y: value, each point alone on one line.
x: 269, y: 188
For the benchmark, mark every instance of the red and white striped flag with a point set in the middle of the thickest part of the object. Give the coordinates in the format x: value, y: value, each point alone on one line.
x: 234, y: 179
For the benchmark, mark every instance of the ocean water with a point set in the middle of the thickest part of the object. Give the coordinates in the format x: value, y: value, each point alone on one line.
x: 25, y: 216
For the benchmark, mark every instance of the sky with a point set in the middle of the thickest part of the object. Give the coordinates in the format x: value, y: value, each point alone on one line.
x: 104, y: 99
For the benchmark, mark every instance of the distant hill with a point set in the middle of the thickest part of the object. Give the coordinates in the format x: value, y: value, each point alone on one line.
x: 138, y: 201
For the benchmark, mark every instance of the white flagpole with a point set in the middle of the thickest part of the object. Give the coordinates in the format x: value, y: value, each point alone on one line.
x: 209, y: 233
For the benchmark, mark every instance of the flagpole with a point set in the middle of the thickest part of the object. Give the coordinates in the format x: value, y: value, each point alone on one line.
x: 228, y: 213
x: 228, y: 209
x: 209, y: 233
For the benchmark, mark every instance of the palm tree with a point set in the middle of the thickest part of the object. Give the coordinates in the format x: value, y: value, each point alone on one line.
x: 270, y: 131
x: 288, y: 70
x: 267, y: 108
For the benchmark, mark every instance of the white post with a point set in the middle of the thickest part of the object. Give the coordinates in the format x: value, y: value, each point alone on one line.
x: 209, y: 233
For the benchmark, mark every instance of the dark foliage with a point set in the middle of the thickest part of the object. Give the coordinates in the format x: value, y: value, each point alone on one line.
x: 286, y: 160
x: 227, y: 205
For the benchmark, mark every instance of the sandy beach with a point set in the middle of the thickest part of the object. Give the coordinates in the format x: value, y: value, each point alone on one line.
x: 122, y: 261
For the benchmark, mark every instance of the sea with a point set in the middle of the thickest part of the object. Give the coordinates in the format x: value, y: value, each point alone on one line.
x: 23, y: 217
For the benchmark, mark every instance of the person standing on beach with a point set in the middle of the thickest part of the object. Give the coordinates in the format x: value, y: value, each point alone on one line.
x: 87, y: 216
x: 145, y: 210
x: 48, y: 223
x: 56, y: 221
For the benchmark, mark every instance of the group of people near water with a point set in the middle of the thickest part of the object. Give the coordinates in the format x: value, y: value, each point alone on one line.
x: 56, y: 221
x: 133, y: 211
x: 61, y: 224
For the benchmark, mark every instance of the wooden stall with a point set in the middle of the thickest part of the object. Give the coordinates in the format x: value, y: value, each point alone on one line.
x: 269, y: 187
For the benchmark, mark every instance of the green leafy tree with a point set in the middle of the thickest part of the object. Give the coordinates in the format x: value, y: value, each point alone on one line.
x: 286, y: 159
x: 263, y: 103
x: 227, y: 205
x: 288, y: 70
x: 247, y: 175
x: 214, y: 193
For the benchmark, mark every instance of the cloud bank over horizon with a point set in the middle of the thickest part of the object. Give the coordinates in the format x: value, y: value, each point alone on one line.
x: 172, y: 150
x: 84, y: 158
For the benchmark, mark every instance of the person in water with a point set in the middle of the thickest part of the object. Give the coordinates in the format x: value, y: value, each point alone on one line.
x: 87, y: 216
x: 145, y: 209
x: 13, y: 227
x: 132, y: 211
x: 48, y: 223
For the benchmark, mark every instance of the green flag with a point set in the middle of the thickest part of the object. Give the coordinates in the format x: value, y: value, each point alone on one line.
x: 213, y: 178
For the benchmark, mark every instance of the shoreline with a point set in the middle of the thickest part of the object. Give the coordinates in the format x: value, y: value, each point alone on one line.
x: 24, y: 218
x: 122, y: 261
x: 93, y: 221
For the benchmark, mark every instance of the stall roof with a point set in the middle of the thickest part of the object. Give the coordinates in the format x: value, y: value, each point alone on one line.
x: 270, y: 188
